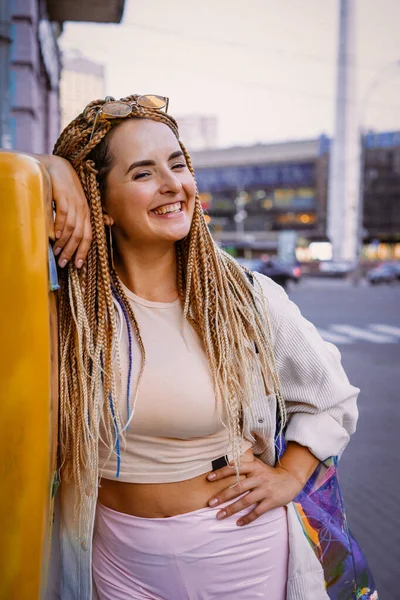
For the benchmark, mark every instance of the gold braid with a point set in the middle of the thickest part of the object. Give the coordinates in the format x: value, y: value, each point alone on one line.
x: 217, y: 299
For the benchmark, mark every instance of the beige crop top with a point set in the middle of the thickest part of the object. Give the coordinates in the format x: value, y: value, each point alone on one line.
x: 175, y: 432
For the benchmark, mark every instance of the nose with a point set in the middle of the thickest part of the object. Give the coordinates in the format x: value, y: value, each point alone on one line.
x: 170, y: 183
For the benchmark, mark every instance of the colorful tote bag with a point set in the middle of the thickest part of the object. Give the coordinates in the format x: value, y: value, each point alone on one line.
x: 321, y: 512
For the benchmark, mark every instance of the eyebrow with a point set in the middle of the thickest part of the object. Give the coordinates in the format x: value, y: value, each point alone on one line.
x: 151, y: 163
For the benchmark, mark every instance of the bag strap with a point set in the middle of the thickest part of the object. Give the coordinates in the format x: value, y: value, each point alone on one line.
x: 250, y: 277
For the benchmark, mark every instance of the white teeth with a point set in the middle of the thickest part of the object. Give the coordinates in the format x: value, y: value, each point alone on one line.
x: 167, y: 208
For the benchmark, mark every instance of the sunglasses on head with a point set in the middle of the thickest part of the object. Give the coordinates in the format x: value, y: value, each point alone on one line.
x: 118, y: 109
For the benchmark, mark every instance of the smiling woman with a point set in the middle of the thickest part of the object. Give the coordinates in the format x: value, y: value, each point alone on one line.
x: 175, y: 366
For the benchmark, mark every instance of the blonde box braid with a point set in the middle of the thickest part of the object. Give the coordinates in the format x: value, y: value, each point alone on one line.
x: 217, y: 299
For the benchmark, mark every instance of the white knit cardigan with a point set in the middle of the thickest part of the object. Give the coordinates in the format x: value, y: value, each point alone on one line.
x: 322, y: 414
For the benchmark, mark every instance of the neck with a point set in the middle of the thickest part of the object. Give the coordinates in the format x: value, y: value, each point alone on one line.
x: 150, y: 273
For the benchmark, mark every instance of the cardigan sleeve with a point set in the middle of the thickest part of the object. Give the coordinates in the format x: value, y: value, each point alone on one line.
x: 321, y: 404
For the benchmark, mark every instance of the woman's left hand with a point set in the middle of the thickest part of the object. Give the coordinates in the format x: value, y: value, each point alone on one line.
x: 267, y: 487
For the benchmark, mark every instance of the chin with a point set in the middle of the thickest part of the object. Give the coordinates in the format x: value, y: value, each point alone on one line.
x: 176, y: 236
x: 175, y: 233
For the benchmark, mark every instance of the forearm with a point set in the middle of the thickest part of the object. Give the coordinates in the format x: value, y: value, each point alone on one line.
x: 45, y: 159
x: 72, y: 226
x: 299, y: 462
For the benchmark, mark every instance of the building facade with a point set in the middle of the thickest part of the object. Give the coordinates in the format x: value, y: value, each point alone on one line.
x: 381, y: 212
x: 82, y: 81
x: 253, y: 193
x: 30, y: 66
x: 198, y: 131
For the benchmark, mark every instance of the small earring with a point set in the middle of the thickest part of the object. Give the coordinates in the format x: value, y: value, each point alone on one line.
x: 110, y: 247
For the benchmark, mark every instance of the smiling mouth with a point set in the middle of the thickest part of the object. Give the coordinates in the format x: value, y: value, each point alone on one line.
x: 168, y: 208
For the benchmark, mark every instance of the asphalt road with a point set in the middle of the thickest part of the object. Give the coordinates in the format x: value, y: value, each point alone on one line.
x: 365, y: 322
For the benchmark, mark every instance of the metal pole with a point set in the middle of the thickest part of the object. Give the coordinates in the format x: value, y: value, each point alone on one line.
x: 357, y: 273
x: 344, y: 155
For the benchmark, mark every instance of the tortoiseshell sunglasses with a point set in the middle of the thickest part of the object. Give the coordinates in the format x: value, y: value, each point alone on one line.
x: 118, y: 109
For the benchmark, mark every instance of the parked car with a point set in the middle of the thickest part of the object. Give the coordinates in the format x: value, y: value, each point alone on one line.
x: 279, y: 272
x: 336, y: 268
x: 395, y: 265
x: 384, y: 273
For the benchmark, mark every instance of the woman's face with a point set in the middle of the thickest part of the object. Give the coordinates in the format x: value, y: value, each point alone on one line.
x: 150, y: 192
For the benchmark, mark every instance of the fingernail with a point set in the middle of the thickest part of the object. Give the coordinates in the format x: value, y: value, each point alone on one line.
x: 239, y: 523
x: 211, y: 476
x: 79, y: 263
x: 221, y: 514
x: 58, y: 234
x: 57, y: 251
x: 63, y: 263
x: 213, y: 502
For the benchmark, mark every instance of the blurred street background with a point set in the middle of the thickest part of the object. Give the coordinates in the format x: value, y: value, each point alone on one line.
x: 369, y: 341
x: 291, y: 114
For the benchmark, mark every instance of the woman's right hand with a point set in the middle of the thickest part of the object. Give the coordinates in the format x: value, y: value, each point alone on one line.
x: 72, y: 226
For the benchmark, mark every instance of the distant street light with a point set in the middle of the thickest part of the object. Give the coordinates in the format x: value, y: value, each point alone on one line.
x: 240, y: 216
x: 382, y: 76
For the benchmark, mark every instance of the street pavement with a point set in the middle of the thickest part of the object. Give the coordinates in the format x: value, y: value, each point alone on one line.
x: 366, y: 323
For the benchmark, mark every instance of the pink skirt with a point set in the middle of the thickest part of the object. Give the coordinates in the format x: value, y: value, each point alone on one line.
x: 192, y: 556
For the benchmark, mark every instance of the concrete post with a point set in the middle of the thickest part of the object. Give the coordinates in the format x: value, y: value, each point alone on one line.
x: 344, y: 168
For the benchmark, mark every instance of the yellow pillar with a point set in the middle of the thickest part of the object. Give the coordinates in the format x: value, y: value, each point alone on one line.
x: 28, y: 394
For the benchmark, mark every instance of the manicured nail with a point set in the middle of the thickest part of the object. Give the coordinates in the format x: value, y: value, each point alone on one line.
x: 57, y: 251
x: 213, y: 502
x: 211, y: 476
x: 79, y: 263
x: 58, y: 234
x: 221, y: 514
x: 63, y: 263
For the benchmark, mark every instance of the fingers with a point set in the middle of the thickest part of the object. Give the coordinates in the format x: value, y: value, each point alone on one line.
x: 84, y: 246
x: 61, y: 216
x: 245, y: 502
x: 245, y: 468
x: 70, y: 238
x: 239, y: 488
x: 76, y: 235
x: 258, y: 488
x: 72, y: 223
x: 254, y: 514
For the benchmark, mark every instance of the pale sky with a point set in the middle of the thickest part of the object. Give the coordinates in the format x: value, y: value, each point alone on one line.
x: 265, y: 68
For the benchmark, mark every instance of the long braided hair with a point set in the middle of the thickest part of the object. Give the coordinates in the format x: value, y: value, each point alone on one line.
x: 216, y: 296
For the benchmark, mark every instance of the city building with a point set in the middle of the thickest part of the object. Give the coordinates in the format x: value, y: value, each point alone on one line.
x: 198, y: 132
x: 82, y: 80
x: 253, y: 193
x: 30, y: 66
x: 381, y: 196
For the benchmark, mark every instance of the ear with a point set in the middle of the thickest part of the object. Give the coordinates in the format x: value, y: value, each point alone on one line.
x: 108, y: 220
